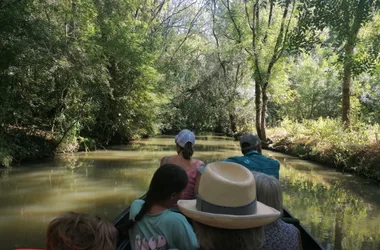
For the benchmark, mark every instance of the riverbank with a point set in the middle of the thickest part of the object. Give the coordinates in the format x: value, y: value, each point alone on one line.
x: 19, y: 145
x: 355, y: 150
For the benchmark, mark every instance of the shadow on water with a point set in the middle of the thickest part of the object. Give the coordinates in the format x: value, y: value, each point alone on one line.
x: 341, y: 210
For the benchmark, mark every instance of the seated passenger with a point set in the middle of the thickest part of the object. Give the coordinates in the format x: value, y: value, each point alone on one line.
x: 278, y: 235
x: 74, y: 231
x: 252, y: 158
x: 185, y: 141
x: 225, y: 214
x: 152, y: 225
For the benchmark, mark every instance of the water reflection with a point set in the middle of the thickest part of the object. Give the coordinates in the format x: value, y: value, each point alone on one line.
x: 342, y: 211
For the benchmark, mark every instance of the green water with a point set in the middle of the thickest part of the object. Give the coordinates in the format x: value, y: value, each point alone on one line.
x: 342, y: 211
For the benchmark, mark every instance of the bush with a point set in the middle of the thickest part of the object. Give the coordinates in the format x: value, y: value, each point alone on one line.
x: 18, y: 144
x: 325, y: 140
x: 5, y: 157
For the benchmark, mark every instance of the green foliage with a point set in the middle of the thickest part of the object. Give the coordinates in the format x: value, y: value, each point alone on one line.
x: 315, y: 86
x: 354, y: 149
x: 5, y: 157
x: 84, y: 73
x: 72, y: 68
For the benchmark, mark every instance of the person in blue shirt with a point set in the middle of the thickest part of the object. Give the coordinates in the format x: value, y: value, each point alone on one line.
x: 252, y: 158
x: 152, y: 225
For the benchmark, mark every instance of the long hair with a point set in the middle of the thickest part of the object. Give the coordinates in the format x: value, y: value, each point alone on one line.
x: 73, y: 231
x: 268, y: 191
x: 212, y: 238
x: 167, y: 180
x: 187, y: 151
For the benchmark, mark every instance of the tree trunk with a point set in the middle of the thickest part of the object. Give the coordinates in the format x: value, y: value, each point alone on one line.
x: 349, y: 49
x: 233, y: 122
x: 264, y: 107
x: 72, y: 21
x: 258, y: 106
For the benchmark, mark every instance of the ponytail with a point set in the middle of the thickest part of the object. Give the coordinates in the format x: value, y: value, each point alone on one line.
x: 167, y: 179
x: 144, y: 209
x: 187, y: 151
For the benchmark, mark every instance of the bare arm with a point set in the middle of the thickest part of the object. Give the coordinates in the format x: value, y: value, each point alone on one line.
x: 198, y: 177
x: 197, y: 180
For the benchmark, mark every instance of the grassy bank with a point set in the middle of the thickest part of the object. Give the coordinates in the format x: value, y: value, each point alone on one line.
x: 355, y: 150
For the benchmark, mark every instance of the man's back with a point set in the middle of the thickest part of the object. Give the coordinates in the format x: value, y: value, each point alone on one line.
x: 254, y: 161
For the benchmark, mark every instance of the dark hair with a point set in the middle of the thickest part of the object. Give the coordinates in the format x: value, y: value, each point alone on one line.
x: 187, y: 151
x: 246, y: 147
x: 167, y: 179
x: 80, y: 231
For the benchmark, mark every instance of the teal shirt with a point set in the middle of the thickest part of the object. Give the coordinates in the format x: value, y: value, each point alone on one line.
x: 255, y: 161
x: 162, y: 231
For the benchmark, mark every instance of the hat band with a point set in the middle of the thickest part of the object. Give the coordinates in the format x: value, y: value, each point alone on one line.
x: 208, y: 207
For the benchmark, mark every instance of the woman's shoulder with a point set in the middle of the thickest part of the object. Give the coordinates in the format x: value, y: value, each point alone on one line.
x: 281, y: 227
x: 280, y: 235
x: 164, y: 160
x: 288, y: 226
x: 197, y: 163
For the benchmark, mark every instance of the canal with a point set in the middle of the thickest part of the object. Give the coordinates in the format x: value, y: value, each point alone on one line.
x: 340, y: 210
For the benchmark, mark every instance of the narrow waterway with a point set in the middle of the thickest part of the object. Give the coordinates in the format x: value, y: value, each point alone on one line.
x: 341, y: 210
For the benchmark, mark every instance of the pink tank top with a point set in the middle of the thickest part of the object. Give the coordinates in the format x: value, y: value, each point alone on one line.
x: 189, y: 192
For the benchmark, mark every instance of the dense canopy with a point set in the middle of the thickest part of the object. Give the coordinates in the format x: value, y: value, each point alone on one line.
x: 94, y: 72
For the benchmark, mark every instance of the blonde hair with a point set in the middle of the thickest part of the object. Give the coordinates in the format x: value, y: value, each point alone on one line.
x: 268, y: 190
x: 212, y: 238
x: 75, y: 231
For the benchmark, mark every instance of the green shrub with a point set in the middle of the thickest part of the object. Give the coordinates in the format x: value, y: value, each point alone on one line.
x: 5, y: 157
x: 325, y: 140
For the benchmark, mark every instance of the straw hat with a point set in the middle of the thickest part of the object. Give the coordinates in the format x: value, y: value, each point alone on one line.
x: 227, y: 199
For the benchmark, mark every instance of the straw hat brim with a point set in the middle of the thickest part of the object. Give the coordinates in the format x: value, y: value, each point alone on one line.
x: 264, y: 215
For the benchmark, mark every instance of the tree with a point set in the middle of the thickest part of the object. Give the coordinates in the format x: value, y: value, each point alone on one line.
x: 344, y: 18
x: 314, y: 86
x: 267, y: 30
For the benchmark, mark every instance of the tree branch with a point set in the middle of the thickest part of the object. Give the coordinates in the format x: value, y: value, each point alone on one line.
x: 279, y: 42
x: 233, y: 20
x: 269, y: 20
x: 192, y: 23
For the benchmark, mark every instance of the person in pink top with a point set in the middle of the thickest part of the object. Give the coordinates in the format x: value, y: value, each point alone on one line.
x: 185, y: 141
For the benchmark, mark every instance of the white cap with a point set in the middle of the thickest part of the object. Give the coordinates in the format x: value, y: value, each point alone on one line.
x: 184, y: 137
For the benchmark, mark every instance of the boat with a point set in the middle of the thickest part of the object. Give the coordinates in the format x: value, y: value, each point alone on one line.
x: 308, y: 241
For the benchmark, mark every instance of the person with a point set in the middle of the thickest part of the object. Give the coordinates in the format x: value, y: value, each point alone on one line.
x: 225, y: 213
x: 73, y: 231
x: 252, y: 158
x: 185, y: 141
x: 152, y: 225
x: 278, y: 235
